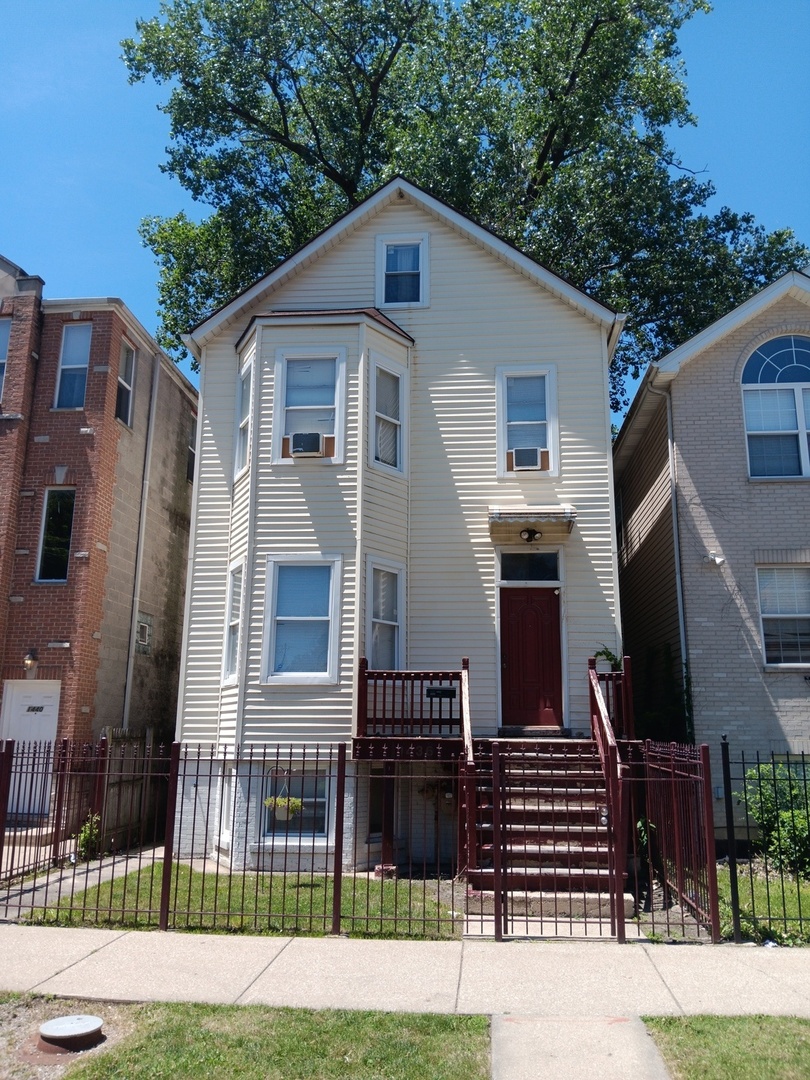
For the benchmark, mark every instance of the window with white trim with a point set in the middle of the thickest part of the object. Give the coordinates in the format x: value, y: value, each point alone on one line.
x: 74, y: 360
x: 126, y: 379
x: 301, y: 618
x: 385, y: 592
x: 57, y: 529
x: 388, y: 407
x: 233, y: 623
x: 191, y: 456
x: 776, y: 402
x: 402, y: 270
x: 243, y: 399
x: 527, y: 421
x: 309, y: 404
x: 784, y: 602
x: 5, y: 334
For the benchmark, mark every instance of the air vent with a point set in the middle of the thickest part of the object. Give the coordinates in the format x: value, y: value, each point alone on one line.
x: 306, y: 444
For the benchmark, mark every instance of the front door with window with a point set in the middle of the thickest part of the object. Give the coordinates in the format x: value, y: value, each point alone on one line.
x: 531, y: 658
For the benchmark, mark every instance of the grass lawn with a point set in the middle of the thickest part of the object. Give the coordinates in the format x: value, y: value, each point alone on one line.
x: 220, y: 1042
x: 733, y: 1047
x: 770, y: 908
x: 261, y: 903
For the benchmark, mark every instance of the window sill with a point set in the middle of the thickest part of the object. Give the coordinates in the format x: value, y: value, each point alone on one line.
x: 778, y: 479
x: 272, y: 842
x: 784, y: 668
x: 300, y: 679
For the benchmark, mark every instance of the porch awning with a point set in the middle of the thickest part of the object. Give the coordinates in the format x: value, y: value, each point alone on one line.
x: 551, y: 522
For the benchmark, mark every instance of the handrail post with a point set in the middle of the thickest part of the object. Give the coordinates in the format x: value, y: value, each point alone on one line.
x: 628, y: 708
x: 362, y: 698
x: 337, y: 876
x: 168, y: 842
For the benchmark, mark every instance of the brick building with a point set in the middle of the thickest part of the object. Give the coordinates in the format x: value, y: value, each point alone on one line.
x: 712, y: 468
x: 97, y: 430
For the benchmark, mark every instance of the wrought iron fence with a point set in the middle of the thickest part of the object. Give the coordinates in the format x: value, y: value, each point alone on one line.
x: 766, y: 877
x: 671, y: 860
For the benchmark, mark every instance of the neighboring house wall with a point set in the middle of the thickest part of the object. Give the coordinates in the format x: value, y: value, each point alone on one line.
x: 743, y: 521
x: 79, y: 626
x: 648, y: 582
x: 750, y: 522
x: 433, y: 519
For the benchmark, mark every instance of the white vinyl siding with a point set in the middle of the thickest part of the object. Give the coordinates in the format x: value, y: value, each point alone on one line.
x: 74, y: 360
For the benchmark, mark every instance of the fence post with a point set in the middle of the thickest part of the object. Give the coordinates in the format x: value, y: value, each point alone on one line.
x: 340, y: 800
x: 6, y: 761
x: 711, y: 854
x: 499, y: 895
x: 168, y: 843
x: 628, y: 709
x: 100, y: 787
x: 731, y: 841
x: 61, y: 784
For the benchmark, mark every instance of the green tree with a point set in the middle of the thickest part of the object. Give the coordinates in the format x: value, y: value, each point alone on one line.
x: 545, y: 120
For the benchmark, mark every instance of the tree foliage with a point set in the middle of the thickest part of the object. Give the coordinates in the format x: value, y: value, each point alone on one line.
x: 544, y: 120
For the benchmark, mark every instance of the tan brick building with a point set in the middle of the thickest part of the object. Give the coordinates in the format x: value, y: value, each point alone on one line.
x: 96, y: 454
x: 712, y: 469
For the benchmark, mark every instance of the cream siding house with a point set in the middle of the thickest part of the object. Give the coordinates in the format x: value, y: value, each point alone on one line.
x: 382, y: 417
x: 713, y: 490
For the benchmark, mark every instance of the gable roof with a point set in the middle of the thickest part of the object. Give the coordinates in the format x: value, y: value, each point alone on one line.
x: 352, y: 219
x: 658, y: 376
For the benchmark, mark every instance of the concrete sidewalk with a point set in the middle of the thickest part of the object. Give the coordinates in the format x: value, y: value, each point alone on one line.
x: 560, y: 1008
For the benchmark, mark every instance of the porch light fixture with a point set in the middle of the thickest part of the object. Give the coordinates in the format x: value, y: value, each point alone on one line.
x: 530, y: 535
x: 30, y: 663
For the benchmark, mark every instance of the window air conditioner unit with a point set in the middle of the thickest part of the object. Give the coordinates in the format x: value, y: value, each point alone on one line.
x: 306, y: 444
x: 528, y: 457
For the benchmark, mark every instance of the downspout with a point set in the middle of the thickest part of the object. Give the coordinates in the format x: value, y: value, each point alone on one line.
x: 673, y: 491
x: 136, y: 586
x: 363, y: 397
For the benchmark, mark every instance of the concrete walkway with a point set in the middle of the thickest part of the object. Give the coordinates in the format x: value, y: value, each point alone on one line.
x: 565, y: 1009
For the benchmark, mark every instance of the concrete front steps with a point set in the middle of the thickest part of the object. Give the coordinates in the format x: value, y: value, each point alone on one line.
x: 554, y: 847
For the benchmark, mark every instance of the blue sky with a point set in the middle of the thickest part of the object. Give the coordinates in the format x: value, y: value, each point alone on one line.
x: 81, y: 148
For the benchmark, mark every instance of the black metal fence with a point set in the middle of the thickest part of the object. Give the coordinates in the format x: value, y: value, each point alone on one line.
x: 765, y: 878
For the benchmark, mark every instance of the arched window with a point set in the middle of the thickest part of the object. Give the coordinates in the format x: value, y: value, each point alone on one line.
x: 776, y: 398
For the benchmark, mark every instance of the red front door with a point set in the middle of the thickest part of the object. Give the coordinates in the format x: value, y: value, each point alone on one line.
x: 531, y: 658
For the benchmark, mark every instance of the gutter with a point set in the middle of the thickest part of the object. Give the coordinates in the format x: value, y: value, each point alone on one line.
x: 136, y: 585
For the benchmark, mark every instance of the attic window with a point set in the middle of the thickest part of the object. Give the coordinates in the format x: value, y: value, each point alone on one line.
x: 402, y: 270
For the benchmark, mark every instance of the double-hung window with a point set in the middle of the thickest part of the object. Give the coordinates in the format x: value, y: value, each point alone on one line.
x: 57, y: 528
x: 243, y: 399
x: 402, y: 271
x: 73, y: 363
x: 776, y: 401
x: 388, y: 405
x: 126, y: 378
x: 233, y: 623
x: 784, y: 600
x: 385, y: 623
x: 526, y: 440
x: 301, y: 618
x: 311, y: 790
x: 5, y: 334
x: 309, y: 410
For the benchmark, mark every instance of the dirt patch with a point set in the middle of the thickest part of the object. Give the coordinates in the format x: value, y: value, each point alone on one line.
x: 20, y: 1020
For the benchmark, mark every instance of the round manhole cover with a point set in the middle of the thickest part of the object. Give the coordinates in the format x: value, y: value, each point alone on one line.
x: 70, y: 1033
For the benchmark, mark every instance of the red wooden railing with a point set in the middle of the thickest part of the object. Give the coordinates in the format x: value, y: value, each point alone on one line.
x: 414, y: 704
x: 617, y: 691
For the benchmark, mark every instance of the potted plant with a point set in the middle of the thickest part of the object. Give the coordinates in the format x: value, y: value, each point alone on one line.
x: 284, y: 807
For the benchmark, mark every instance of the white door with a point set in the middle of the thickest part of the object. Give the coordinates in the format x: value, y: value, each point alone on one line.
x: 29, y: 714
x: 30, y: 710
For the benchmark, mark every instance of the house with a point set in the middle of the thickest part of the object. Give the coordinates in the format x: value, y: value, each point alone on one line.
x: 96, y: 436
x: 713, y: 499
x: 404, y: 455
